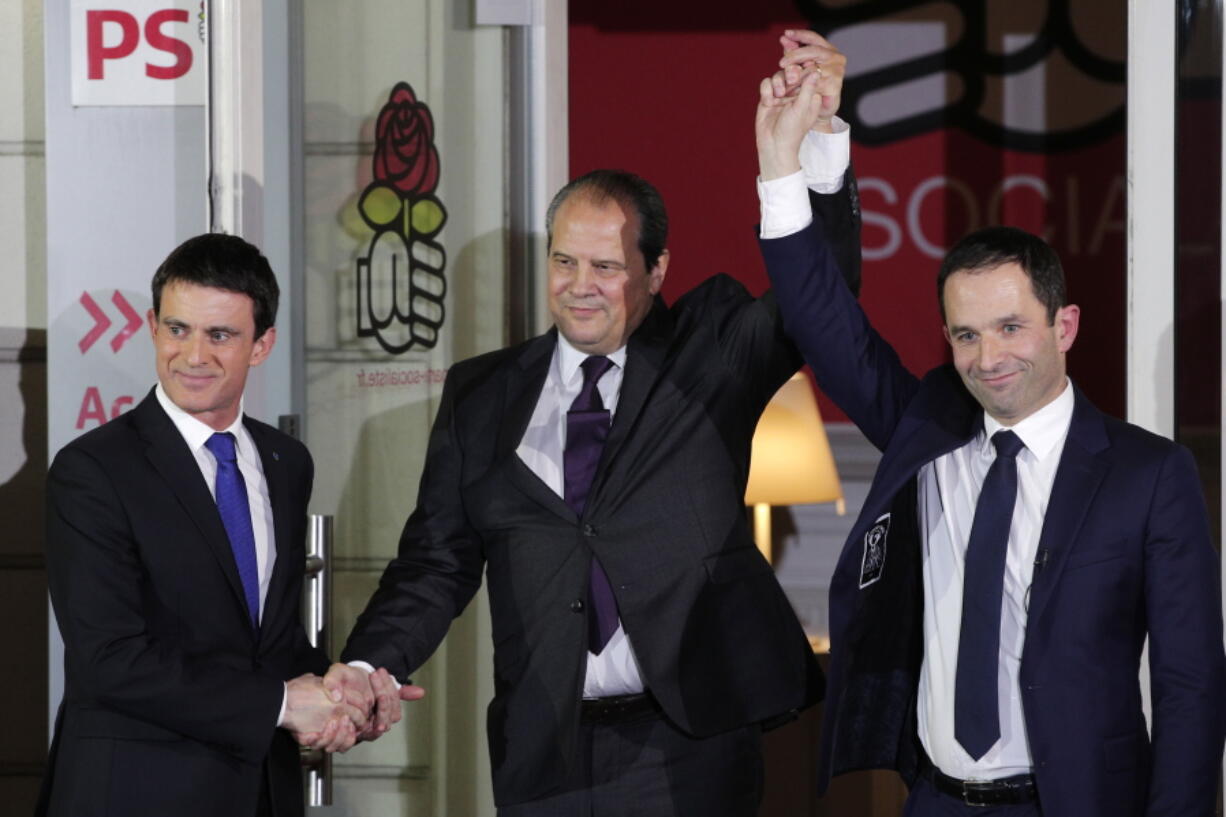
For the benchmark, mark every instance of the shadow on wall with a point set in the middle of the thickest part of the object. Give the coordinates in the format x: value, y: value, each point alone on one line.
x: 389, y: 448
x: 23, y: 575
x: 382, y: 430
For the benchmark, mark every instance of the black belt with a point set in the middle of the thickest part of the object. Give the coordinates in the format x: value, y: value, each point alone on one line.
x: 1003, y: 791
x: 618, y: 708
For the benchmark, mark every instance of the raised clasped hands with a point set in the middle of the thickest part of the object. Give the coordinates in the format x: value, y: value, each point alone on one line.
x: 803, y: 95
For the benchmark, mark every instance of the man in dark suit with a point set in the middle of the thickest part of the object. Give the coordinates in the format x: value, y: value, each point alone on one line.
x: 175, y: 552
x: 596, y: 474
x: 1016, y: 548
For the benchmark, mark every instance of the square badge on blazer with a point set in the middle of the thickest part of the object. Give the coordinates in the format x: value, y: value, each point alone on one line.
x: 874, y: 551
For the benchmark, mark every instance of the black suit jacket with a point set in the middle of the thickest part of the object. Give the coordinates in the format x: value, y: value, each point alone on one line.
x: 1124, y: 553
x: 715, y: 637
x: 170, y: 700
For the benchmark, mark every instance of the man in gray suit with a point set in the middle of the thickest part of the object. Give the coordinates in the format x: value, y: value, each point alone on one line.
x: 596, y: 474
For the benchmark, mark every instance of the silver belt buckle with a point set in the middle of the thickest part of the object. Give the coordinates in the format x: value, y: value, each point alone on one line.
x: 970, y: 794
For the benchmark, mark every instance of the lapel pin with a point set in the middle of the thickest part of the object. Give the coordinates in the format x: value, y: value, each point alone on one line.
x: 276, y: 456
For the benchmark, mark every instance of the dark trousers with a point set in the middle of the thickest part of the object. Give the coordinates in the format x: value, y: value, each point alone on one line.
x: 646, y: 767
x: 925, y: 801
x: 263, y: 807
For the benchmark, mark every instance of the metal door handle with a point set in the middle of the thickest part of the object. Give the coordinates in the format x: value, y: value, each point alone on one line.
x: 316, y: 604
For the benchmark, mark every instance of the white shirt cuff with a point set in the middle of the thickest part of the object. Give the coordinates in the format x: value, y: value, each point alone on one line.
x: 824, y: 158
x: 284, y: 703
x: 369, y: 668
x: 785, y: 205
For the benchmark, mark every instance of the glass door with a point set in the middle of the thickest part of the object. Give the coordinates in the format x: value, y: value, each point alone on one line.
x: 404, y: 252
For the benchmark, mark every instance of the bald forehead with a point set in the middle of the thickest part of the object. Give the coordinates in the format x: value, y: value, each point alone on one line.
x: 599, y: 199
x: 603, y: 208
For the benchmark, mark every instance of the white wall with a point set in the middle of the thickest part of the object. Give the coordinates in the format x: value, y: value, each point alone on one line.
x: 22, y: 166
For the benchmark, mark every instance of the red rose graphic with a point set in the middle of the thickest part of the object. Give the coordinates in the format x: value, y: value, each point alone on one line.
x: 405, y: 156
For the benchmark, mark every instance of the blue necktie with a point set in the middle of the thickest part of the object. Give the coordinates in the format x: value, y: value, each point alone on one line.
x: 976, y: 708
x: 235, y: 513
x: 587, y: 427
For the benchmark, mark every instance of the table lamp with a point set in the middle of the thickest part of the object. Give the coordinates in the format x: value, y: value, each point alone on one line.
x: 791, y: 463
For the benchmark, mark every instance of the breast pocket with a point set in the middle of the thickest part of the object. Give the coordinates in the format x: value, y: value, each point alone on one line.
x: 1092, y: 553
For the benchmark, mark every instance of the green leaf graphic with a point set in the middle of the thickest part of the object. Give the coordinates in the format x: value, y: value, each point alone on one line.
x: 428, y: 216
x: 380, y: 204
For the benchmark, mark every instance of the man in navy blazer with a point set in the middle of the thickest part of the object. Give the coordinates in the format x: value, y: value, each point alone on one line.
x: 1108, y: 542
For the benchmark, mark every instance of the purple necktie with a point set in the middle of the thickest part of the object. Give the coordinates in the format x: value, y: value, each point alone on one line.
x: 976, y: 703
x: 236, y: 517
x: 587, y: 427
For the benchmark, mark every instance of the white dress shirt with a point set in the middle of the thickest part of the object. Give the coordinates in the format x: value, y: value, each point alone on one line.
x: 948, y: 491
x: 196, y: 434
x: 615, y: 671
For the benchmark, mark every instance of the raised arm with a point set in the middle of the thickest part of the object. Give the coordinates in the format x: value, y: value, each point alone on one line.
x: 853, y: 364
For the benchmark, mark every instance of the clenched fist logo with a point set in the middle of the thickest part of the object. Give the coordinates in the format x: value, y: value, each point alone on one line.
x: 400, y: 281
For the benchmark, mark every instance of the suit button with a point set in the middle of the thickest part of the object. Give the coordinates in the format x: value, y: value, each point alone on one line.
x: 576, y: 606
x: 589, y: 530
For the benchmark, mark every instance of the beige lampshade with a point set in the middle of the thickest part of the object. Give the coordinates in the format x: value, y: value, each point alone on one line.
x: 792, y: 463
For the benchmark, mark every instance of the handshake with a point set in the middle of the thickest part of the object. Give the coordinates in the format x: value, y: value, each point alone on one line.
x: 345, y: 706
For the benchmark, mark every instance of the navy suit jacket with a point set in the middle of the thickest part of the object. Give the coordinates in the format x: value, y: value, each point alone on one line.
x: 1125, y: 552
x: 171, y: 699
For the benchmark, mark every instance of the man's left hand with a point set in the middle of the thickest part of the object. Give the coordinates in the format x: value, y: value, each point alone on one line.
x: 806, y: 52
x: 378, y: 693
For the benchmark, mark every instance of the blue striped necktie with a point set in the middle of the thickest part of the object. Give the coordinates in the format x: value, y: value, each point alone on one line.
x: 231, y: 491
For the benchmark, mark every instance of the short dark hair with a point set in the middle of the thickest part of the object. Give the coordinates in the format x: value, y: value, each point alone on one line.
x: 222, y: 262
x: 632, y: 192
x: 991, y: 247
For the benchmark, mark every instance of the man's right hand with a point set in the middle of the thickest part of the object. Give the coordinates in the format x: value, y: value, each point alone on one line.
x: 806, y: 51
x: 319, y: 719
x: 803, y: 95
x: 377, y: 692
x: 782, y: 122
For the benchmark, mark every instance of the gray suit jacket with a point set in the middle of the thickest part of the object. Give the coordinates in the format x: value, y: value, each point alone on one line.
x: 715, y: 637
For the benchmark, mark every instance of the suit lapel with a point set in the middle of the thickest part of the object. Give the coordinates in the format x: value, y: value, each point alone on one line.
x: 277, y: 481
x: 952, y: 420
x: 523, y: 390
x: 172, y: 459
x: 1078, y: 478
x: 645, y: 355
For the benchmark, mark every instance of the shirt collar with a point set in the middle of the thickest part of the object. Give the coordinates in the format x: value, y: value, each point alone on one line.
x: 569, y: 359
x: 1042, y: 431
x: 194, y: 432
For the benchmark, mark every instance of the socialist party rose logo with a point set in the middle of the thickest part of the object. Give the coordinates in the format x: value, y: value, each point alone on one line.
x: 400, y: 281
